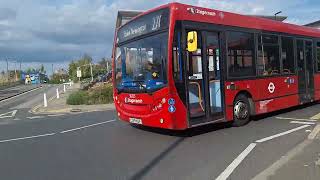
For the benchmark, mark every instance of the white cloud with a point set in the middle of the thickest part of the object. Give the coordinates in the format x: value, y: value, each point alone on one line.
x: 61, y: 30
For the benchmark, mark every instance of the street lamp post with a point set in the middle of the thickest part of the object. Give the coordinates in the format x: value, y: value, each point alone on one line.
x: 275, y: 15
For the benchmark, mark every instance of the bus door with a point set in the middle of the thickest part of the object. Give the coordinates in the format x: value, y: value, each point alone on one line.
x: 203, y: 76
x: 305, y: 70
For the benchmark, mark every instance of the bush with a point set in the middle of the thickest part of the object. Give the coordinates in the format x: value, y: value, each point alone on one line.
x: 78, y: 98
x: 98, y: 95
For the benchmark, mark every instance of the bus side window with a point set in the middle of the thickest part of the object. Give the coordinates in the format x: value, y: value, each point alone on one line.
x: 177, y: 58
x: 287, y: 55
x: 241, y: 61
x: 318, y: 56
x: 194, y: 65
x: 268, y: 55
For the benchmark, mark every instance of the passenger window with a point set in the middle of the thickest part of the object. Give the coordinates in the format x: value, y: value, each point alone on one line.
x: 287, y: 55
x: 318, y: 55
x: 194, y: 65
x: 241, y: 54
x: 176, y: 67
x: 175, y: 55
x: 268, y: 55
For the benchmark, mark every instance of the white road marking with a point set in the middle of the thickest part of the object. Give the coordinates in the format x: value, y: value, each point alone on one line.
x: 20, y: 94
x: 83, y: 127
x: 35, y: 117
x: 281, y: 134
x: 317, y: 116
x: 227, y: 172
x: 28, y: 137
x: 12, y: 114
x: 311, y: 120
x: 301, y: 122
x: 55, y: 115
x: 314, y: 132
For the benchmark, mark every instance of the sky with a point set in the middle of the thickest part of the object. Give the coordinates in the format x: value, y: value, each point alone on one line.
x: 58, y: 31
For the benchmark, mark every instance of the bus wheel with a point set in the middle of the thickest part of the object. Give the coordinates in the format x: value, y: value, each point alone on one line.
x: 241, y: 111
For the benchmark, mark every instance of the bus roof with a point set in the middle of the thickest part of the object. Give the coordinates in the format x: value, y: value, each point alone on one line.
x: 199, y: 14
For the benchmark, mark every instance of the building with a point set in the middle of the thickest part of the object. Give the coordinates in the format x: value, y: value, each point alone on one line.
x: 315, y: 24
x: 125, y: 16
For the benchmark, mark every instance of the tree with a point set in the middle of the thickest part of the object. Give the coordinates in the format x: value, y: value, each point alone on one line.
x: 42, y: 69
x: 84, y: 64
x: 30, y: 70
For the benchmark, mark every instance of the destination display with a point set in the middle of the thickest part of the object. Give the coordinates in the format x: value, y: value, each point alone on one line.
x: 148, y: 23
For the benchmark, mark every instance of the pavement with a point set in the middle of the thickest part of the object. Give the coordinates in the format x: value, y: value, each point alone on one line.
x: 56, y: 106
x: 95, y: 145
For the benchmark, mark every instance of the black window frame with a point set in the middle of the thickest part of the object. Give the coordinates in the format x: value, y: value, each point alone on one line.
x: 256, y: 32
x: 294, y: 55
x: 254, y: 55
x: 270, y: 45
x: 317, y: 58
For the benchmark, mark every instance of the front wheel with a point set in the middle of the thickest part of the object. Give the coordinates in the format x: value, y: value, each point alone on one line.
x: 241, y: 111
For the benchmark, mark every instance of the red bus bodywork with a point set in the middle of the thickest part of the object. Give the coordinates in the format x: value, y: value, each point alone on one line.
x: 154, y: 109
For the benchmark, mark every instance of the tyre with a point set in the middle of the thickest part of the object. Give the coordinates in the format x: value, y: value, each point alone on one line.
x: 241, y: 111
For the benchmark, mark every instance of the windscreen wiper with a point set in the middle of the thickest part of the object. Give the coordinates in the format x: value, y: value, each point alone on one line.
x: 140, y: 82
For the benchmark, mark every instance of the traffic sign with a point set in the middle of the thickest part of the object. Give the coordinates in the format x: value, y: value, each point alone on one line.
x: 171, y: 109
x: 79, y: 73
x: 171, y: 101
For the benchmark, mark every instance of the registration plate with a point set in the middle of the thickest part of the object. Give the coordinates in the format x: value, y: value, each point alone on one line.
x: 135, y: 121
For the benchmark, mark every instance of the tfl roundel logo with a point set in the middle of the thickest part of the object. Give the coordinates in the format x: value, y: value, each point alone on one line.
x: 271, y: 87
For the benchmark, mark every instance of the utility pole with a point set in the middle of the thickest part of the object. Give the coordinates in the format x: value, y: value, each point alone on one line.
x: 7, y: 70
x: 91, y: 72
x: 52, y: 71
x: 275, y: 15
x: 15, y: 70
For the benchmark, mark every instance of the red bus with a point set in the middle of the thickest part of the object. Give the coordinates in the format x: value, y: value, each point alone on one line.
x: 179, y: 66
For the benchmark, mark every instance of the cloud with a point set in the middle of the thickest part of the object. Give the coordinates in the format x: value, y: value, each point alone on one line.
x: 7, y: 14
x: 46, y: 30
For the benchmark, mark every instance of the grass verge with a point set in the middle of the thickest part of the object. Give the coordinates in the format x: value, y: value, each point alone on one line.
x: 98, y: 95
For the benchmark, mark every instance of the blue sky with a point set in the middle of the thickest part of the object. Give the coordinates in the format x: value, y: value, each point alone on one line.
x: 61, y: 30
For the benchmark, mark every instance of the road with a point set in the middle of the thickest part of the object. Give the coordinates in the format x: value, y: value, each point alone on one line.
x: 97, y: 146
x: 12, y: 91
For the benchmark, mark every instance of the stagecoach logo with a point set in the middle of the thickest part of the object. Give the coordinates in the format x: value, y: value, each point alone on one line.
x: 221, y: 15
x: 271, y: 87
x: 193, y: 10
